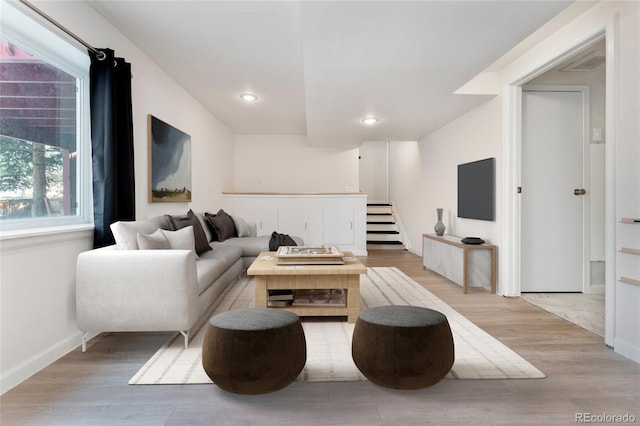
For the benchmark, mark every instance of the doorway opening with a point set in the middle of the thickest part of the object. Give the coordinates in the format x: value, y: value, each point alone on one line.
x: 565, y: 103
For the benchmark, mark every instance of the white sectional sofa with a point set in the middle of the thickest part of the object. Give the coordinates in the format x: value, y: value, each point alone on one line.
x: 136, y: 286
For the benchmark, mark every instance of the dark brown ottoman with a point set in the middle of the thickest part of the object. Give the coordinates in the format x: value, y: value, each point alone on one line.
x: 403, y: 347
x: 254, y: 351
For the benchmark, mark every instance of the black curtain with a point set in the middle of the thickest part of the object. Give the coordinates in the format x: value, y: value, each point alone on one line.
x: 112, y: 144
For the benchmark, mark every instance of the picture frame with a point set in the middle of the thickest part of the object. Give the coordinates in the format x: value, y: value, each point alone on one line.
x: 169, y: 162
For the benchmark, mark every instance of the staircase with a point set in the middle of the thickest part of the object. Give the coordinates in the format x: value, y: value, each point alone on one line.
x: 382, y: 230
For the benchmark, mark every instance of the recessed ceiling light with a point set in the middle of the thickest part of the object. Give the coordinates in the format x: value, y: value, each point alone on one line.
x: 248, y: 97
x: 369, y: 121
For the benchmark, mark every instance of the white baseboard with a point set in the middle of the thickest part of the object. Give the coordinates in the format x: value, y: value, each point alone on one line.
x: 627, y: 349
x: 28, y: 368
x: 414, y: 251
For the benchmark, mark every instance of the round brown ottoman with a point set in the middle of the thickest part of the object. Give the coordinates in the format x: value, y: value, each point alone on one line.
x: 254, y: 351
x: 402, y: 347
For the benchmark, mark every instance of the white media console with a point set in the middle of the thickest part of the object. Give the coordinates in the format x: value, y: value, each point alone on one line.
x: 466, y: 264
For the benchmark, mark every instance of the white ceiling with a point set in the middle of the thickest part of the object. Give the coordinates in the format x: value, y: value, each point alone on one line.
x: 319, y: 67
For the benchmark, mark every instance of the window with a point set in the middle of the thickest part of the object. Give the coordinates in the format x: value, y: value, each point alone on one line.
x: 44, y: 133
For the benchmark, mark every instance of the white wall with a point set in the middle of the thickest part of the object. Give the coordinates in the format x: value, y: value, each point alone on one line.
x: 37, y: 302
x: 407, y: 193
x: 478, y: 134
x: 474, y: 136
x: 373, y: 174
x: 38, y: 273
x: 286, y: 163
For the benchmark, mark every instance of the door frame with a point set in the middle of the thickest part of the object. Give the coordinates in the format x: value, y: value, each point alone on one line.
x: 510, y: 265
x: 586, y: 217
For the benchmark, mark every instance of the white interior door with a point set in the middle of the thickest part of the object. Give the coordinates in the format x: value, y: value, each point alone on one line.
x: 552, y: 221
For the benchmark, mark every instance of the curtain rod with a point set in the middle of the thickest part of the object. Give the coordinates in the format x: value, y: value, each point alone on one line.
x: 99, y: 54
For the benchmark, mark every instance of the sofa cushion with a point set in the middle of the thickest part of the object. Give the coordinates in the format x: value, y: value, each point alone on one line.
x: 126, y: 232
x: 222, y: 224
x: 155, y: 241
x: 182, y: 239
x: 211, y: 265
x: 190, y: 219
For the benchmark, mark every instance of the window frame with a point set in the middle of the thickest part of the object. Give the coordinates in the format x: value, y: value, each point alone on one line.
x: 19, y: 26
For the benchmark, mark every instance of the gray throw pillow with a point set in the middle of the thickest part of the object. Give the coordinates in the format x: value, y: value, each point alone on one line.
x: 244, y: 228
x: 190, y: 219
x: 155, y: 241
x: 181, y: 239
x: 125, y: 233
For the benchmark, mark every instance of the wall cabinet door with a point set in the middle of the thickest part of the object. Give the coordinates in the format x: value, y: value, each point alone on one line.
x: 294, y: 220
x: 338, y: 225
x: 265, y: 217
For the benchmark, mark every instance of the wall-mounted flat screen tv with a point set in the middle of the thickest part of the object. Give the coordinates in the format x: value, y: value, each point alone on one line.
x: 476, y: 190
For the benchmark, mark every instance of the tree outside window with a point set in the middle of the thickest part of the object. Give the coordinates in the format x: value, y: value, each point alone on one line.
x: 38, y: 137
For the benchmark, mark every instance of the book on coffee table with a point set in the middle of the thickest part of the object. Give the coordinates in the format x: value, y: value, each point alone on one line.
x: 280, y: 295
x: 309, y: 255
x: 279, y: 303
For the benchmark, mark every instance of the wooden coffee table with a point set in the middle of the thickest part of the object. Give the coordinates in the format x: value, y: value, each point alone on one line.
x: 271, y: 276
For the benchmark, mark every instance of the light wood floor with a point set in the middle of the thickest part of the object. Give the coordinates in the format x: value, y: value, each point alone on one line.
x: 585, y: 310
x: 583, y: 376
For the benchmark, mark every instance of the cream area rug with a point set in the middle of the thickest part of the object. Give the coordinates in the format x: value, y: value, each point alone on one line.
x: 478, y: 355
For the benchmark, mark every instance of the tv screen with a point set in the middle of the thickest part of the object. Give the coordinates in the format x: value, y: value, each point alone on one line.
x: 476, y: 190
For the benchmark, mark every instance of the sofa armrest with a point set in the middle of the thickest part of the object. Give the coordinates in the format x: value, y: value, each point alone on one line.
x: 136, y: 290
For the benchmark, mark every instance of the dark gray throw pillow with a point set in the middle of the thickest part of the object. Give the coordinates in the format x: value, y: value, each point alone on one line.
x: 208, y: 220
x: 222, y: 224
x: 179, y: 222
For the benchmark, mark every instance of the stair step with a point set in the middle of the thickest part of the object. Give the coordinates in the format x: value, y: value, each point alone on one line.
x: 375, y: 242
x: 380, y: 222
x: 379, y: 210
x: 380, y: 247
x: 382, y: 232
x: 378, y: 205
x: 381, y: 217
x: 379, y: 214
x: 382, y: 226
x: 383, y: 237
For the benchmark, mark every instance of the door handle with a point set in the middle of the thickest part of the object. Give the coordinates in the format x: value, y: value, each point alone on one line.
x: 579, y: 191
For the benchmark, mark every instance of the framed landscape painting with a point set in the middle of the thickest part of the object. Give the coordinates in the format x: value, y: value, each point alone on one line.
x: 169, y: 163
